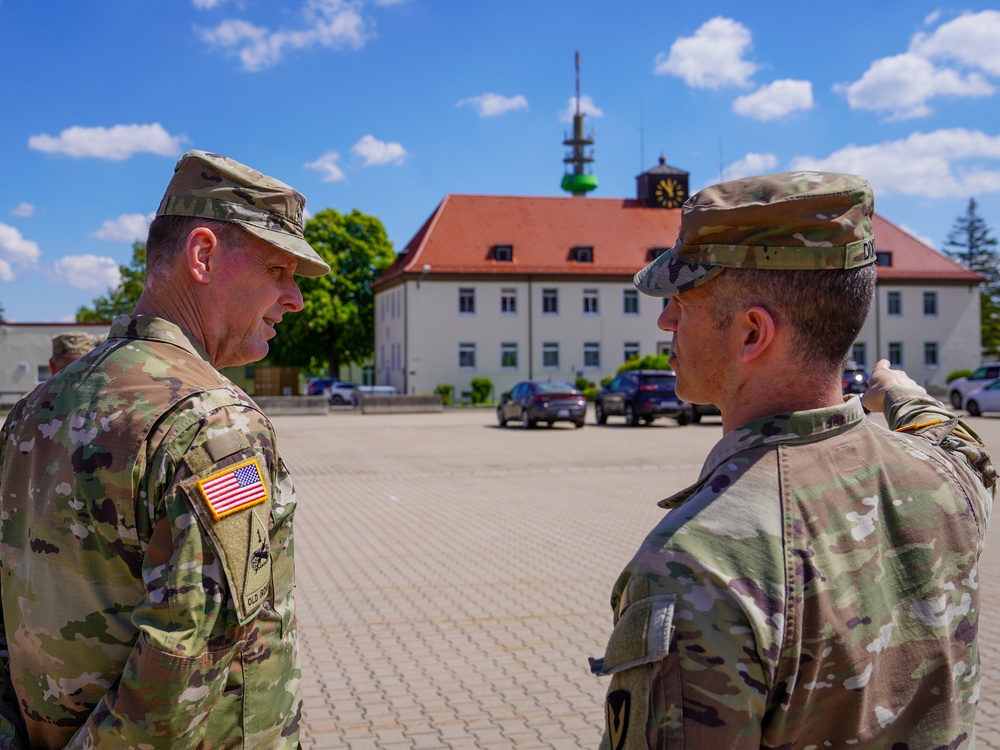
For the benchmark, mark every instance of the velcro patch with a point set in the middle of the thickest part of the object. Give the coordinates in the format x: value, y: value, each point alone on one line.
x: 233, y: 489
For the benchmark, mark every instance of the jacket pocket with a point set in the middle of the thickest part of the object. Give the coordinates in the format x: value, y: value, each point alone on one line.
x: 640, y: 639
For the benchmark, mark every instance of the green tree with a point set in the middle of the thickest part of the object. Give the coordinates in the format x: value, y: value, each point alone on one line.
x: 337, y: 323
x: 122, y: 298
x: 971, y: 243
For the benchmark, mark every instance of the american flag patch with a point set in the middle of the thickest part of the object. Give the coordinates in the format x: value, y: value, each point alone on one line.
x: 234, y: 489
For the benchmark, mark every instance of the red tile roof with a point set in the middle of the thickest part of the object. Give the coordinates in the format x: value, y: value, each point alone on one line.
x: 459, y: 237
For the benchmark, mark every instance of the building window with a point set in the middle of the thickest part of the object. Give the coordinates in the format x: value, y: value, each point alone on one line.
x: 655, y: 252
x: 584, y: 254
x: 590, y: 306
x: 859, y: 353
x: 503, y: 253
x: 631, y: 350
x: 508, y: 356
x: 930, y: 354
x: 592, y: 356
x: 550, y: 356
x: 896, y: 353
x: 43, y: 374
x: 550, y: 301
x: 467, y: 356
x: 630, y: 302
x: 508, y: 301
x: 883, y: 258
x: 894, y: 303
x: 467, y: 301
x: 930, y: 303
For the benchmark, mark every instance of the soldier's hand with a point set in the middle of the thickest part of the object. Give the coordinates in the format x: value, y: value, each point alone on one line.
x: 882, y: 379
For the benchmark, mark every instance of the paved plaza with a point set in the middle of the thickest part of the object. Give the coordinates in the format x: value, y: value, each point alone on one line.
x: 453, y: 577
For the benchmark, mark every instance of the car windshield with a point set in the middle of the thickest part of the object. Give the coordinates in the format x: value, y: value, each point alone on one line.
x: 660, y: 381
x: 553, y: 386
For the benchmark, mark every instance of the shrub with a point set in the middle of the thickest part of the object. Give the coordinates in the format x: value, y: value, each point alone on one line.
x: 590, y: 393
x: 649, y: 362
x: 482, y: 390
x: 605, y: 382
x: 959, y: 374
x: 582, y: 383
x: 444, y: 391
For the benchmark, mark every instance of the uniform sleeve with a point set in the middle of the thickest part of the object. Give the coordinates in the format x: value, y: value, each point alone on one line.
x: 192, y: 626
x: 684, y: 665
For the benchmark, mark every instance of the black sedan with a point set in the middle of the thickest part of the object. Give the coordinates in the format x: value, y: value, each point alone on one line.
x: 535, y: 401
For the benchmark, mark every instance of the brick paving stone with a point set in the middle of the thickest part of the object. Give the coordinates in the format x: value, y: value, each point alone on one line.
x: 453, y: 577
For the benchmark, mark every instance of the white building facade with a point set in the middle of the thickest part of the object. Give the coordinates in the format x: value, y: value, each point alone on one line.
x: 25, y: 349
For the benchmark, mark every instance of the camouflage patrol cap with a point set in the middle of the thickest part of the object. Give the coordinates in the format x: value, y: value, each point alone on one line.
x: 791, y: 221
x: 212, y: 186
x: 72, y: 342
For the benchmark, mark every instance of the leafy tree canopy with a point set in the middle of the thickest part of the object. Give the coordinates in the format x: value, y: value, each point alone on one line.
x: 121, y: 299
x: 337, y: 322
x: 971, y: 243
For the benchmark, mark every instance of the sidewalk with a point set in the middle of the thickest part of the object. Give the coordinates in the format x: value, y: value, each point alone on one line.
x: 453, y: 577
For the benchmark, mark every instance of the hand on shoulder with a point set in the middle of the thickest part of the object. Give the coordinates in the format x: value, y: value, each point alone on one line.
x: 882, y: 379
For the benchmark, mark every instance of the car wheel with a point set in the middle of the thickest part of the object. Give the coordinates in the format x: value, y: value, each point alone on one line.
x: 578, y: 424
x: 684, y: 417
x: 956, y: 399
x: 337, y: 400
x: 695, y: 415
x: 599, y: 416
x: 500, y: 420
x: 630, y: 417
x: 526, y: 422
x: 973, y: 408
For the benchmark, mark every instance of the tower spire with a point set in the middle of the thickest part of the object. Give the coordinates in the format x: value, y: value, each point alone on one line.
x: 578, y: 182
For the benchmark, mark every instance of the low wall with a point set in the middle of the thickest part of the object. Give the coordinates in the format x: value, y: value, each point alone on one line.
x: 399, y: 404
x: 291, y: 405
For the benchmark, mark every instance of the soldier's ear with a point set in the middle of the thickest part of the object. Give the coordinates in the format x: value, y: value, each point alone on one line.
x: 758, y: 333
x: 201, y: 253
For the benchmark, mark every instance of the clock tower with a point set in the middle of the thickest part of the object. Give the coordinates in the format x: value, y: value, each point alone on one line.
x: 663, y: 186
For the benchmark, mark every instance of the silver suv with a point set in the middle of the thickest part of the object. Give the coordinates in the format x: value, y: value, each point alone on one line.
x: 959, y: 388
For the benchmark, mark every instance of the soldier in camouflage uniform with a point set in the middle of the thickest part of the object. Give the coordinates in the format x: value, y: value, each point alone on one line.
x: 68, y: 347
x: 146, y: 564
x: 817, y: 587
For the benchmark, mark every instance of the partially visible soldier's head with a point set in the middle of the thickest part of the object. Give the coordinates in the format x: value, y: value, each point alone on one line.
x: 798, y: 244
x: 68, y: 348
x: 221, y: 255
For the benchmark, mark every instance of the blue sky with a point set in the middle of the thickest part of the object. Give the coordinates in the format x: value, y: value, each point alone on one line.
x: 388, y: 105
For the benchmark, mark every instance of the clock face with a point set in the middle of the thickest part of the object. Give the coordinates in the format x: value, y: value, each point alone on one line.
x: 669, y: 193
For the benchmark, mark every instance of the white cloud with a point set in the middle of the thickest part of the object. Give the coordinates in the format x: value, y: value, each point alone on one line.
x: 15, y: 249
x: 6, y: 272
x: 494, y: 105
x: 712, y: 58
x: 900, y: 86
x: 206, y: 4
x: 89, y: 273
x: 775, y: 100
x: 327, y: 164
x: 24, y: 210
x: 327, y: 23
x: 970, y: 39
x: 749, y: 165
x: 943, y: 163
x: 126, y: 228
x: 378, y: 153
x: 587, y: 107
x: 115, y: 143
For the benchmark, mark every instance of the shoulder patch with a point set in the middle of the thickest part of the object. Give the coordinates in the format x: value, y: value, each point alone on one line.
x: 233, y: 489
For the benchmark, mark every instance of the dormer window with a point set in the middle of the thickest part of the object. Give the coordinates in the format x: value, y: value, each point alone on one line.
x: 584, y: 254
x: 883, y: 258
x: 503, y: 253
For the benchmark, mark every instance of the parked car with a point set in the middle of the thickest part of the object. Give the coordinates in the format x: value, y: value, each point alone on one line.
x: 983, y: 399
x: 701, y: 410
x: 316, y: 386
x: 371, y: 390
x: 855, y: 379
x: 341, y: 392
x: 641, y: 396
x: 534, y: 401
x: 959, y: 388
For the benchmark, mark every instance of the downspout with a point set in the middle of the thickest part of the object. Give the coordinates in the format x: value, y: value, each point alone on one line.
x: 878, y: 328
x: 531, y: 348
x: 406, y: 339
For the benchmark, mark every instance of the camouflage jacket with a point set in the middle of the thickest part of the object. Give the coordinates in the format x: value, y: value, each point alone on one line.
x: 146, y: 553
x: 816, y: 588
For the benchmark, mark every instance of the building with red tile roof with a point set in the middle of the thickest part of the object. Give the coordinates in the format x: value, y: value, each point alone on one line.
x: 517, y: 287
